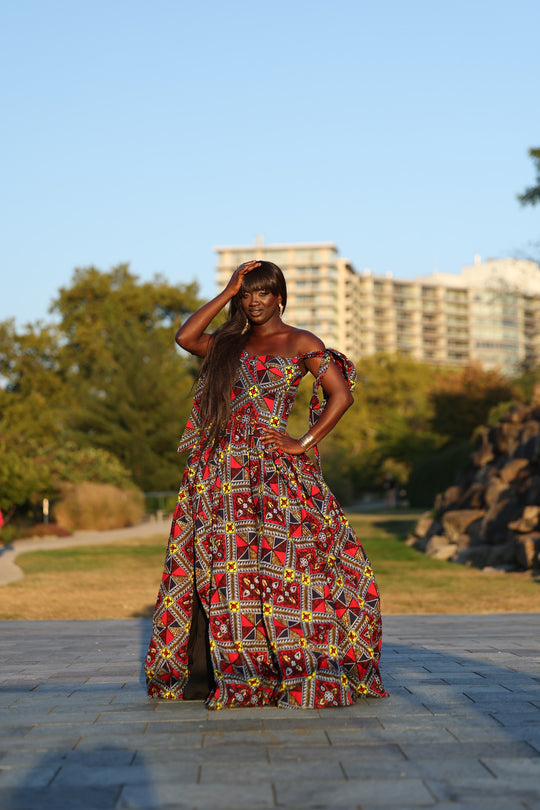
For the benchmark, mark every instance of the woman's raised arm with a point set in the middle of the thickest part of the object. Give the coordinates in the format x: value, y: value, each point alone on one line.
x: 192, y: 336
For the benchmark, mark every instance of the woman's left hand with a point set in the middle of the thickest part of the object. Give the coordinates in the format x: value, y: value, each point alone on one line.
x: 274, y: 440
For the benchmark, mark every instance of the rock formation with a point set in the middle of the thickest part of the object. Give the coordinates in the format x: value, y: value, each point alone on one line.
x: 491, y: 516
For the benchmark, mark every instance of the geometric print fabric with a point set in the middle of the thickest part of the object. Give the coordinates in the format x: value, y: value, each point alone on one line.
x: 291, y: 599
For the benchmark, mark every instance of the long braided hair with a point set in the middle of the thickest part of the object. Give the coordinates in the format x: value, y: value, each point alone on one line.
x: 220, y: 366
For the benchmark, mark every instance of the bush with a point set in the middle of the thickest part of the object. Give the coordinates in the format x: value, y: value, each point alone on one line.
x: 436, y: 472
x: 98, y: 506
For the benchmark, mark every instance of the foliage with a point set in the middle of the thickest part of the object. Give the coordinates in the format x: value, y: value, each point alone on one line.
x: 100, y: 396
x: 434, y: 472
x: 98, y: 507
x: 531, y: 195
x: 463, y: 399
x: 103, y: 394
x: 132, y: 387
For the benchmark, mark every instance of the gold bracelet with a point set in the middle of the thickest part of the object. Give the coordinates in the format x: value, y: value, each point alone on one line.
x: 306, y: 441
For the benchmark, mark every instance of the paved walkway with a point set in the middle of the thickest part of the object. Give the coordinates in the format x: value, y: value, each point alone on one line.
x: 10, y: 571
x: 460, y: 730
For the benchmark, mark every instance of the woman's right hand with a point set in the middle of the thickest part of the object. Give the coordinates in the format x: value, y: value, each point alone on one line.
x: 235, y: 282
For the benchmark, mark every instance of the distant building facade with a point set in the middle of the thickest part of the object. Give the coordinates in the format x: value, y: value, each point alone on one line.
x: 488, y: 314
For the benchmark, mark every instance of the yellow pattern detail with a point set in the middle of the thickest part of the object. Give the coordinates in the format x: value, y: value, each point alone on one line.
x: 306, y: 579
x: 361, y: 689
x: 231, y: 566
x: 234, y: 607
x: 288, y: 574
x: 253, y: 391
x: 306, y: 616
x: 267, y: 609
x: 284, y: 502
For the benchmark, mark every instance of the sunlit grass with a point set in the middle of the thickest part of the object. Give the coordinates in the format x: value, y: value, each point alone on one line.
x: 121, y: 579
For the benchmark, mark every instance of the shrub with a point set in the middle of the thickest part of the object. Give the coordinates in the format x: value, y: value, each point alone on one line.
x: 98, y: 506
x: 436, y: 472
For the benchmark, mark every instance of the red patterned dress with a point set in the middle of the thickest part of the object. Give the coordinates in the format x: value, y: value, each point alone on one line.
x: 292, y: 604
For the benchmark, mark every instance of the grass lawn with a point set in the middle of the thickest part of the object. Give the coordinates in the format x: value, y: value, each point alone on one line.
x: 120, y: 580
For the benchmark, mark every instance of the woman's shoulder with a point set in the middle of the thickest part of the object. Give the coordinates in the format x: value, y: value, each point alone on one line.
x: 304, y: 342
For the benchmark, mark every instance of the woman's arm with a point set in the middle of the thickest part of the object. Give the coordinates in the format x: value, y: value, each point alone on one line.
x: 339, y: 399
x: 191, y: 335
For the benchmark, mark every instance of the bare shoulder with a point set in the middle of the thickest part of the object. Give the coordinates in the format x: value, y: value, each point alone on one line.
x: 306, y: 342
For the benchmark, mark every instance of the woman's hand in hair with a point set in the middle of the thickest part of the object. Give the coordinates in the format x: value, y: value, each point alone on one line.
x: 235, y: 283
x: 191, y: 335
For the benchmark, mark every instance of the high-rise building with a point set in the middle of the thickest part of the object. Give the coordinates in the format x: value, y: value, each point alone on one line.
x: 487, y: 314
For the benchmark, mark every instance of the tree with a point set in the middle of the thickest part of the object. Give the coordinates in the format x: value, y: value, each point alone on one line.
x: 531, y: 195
x: 101, y: 396
x: 130, y: 385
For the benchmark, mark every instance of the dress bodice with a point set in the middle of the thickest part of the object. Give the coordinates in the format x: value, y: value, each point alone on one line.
x: 264, y: 392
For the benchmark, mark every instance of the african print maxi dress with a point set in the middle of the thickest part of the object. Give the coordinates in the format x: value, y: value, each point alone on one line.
x: 292, y: 605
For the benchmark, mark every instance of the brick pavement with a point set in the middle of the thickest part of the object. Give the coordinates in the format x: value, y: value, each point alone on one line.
x: 460, y: 730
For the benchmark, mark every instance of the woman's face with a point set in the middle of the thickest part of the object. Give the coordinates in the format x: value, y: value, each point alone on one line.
x: 260, y: 305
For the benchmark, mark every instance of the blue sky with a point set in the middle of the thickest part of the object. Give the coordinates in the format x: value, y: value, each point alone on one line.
x: 150, y: 133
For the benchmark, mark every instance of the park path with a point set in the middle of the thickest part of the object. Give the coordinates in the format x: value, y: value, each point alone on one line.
x: 460, y: 730
x: 10, y: 571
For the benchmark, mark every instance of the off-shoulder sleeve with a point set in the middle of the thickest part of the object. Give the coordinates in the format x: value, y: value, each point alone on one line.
x: 347, y: 369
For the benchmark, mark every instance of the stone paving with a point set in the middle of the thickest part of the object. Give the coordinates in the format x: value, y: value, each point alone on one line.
x: 460, y: 730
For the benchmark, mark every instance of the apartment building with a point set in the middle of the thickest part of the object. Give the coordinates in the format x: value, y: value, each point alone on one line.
x: 317, y: 285
x: 489, y: 313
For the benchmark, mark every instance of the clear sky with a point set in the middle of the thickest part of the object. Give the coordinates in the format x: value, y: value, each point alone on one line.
x: 149, y: 133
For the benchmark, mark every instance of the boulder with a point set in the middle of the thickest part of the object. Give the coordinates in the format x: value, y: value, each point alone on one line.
x: 495, y: 521
x: 530, y: 449
x: 473, y: 498
x: 484, y: 455
x: 435, y: 543
x: 495, y: 490
x: 449, y: 499
x: 531, y: 490
x: 475, y: 555
x: 512, y: 469
x: 424, y: 524
x: 506, y: 438
x: 527, y: 549
x: 456, y: 522
x: 503, y: 554
x: 528, y: 521
x: 445, y: 553
x: 490, y: 516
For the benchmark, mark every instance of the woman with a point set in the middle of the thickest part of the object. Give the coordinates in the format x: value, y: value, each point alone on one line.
x: 267, y: 596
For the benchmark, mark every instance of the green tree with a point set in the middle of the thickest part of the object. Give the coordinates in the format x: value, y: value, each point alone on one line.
x: 531, y: 195
x: 130, y: 385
